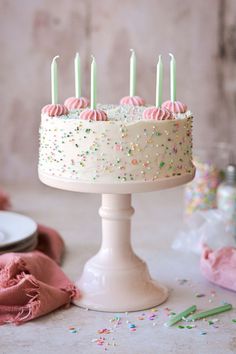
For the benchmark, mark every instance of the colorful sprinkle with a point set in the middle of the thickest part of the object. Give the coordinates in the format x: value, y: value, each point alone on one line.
x: 162, y: 164
x: 200, y: 295
x: 104, y: 331
x: 131, y: 325
x: 203, y: 333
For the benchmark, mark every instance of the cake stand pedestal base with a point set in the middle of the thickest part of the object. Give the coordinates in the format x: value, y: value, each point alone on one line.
x: 116, y: 279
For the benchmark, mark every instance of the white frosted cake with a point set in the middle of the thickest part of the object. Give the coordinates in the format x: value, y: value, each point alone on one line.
x: 124, y: 148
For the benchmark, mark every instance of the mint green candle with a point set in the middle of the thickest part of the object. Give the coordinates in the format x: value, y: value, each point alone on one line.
x: 180, y: 316
x: 211, y: 312
x: 172, y: 78
x: 54, y: 80
x: 77, y: 76
x: 132, y: 83
x: 159, y: 81
x: 93, y: 83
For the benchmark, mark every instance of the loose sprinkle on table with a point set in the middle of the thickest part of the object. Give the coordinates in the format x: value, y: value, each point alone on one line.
x: 182, y: 281
x: 104, y: 331
x: 203, y: 333
x: 200, y: 295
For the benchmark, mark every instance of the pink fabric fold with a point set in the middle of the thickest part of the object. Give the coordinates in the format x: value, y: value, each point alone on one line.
x: 31, y: 283
x: 4, y: 201
x: 50, y: 243
x: 219, y: 266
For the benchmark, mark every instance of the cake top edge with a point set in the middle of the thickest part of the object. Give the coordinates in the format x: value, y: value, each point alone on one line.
x: 119, y: 113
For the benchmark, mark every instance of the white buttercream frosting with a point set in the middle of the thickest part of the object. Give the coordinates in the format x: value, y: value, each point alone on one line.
x: 124, y: 148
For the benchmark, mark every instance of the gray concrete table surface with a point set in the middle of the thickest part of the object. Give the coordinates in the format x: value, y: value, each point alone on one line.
x: 158, y: 217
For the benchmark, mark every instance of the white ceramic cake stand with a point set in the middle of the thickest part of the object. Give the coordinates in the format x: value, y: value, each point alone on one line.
x: 116, y: 279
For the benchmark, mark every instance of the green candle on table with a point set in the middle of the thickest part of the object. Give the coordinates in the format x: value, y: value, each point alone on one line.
x: 211, y: 312
x: 54, y: 80
x: 132, y: 85
x: 180, y: 316
x: 172, y: 78
x: 159, y: 81
x: 93, y: 83
x: 77, y: 76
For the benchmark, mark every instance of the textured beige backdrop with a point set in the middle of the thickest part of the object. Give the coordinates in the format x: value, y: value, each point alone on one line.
x: 201, y: 34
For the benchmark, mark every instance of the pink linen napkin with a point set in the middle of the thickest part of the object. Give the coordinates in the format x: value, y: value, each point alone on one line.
x: 31, y: 283
x: 50, y: 243
x: 4, y: 201
x: 219, y: 266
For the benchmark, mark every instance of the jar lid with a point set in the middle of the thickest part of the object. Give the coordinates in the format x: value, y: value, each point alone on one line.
x: 231, y: 174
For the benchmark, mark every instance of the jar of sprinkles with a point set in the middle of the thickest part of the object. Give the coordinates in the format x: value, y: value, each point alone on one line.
x: 226, y: 199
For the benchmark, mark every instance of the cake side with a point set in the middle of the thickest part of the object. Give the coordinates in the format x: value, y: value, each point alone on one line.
x: 115, y: 151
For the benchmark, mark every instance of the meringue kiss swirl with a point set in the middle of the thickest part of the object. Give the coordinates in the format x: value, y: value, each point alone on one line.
x: 93, y: 114
x: 175, y: 107
x: 155, y: 113
x: 53, y: 110
x: 133, y: 100
x: 73, y: 103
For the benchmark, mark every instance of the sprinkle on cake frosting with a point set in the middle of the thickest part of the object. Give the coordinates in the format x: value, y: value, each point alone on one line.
x: 124, y: 148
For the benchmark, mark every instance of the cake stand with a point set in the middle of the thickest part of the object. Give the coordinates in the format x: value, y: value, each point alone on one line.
x: 116, y: 279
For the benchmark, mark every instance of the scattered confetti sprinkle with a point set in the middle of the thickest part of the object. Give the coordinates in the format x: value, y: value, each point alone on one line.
x: 154, y: 309
x: 203, y: 333
x: 182, y: 281
x: 199, y: 295
x: 100, y: 341
x: 104, y: 331
x: 73, y: 329
x: 152, y: 317
x: 132, y: 325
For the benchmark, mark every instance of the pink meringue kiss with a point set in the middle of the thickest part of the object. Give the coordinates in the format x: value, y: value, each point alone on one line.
x: 133, y: 100
x: 53, y: 110
x: 93, y: 114
x: 155, y: 113
x: 73, y: 103
x: 175, y: 107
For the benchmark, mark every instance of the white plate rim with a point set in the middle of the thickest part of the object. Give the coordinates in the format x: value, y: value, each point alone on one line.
x: 33, y: 227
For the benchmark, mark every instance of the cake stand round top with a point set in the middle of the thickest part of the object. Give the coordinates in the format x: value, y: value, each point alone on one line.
x: 115, y: 188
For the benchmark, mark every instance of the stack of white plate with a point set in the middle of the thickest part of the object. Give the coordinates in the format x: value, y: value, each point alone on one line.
x: 18, y: 233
